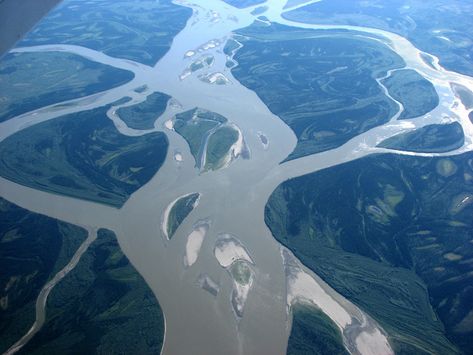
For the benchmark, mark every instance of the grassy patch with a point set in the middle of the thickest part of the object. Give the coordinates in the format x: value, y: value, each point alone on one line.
x: 84, y: 156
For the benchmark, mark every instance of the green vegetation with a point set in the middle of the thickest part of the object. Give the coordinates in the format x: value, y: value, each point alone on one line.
x: 231, y: 46
x: 218, y: 147
x: 143, y: 115
x: 259, y: 10
x: 179, y: 211
x: 241, y: 272
x: 392, y: 234
x: 437, y: 26
x: 417, y: 95
x: 103, y: 306
x: 138, y: 30
x: 321, y: 83
x: 429, y: 139
x: 84, y: 156
x: 33, y: 248
x: 465, y: 95
x: 313, y: 333
x: 195, y: 126
x: 29, y: 81
x: 201, y: 63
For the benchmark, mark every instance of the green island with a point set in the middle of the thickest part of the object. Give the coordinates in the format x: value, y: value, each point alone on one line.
x: 143, y: 115
x: 259, y: 10
x: 179, y: 211
x: 141, y: 31
x: 195, y: 126
x: 393, y: 235
x: 434, y: 27
x: 430, y: 139
x: 230, y: 47
x: 465, y: 95
x: 313, y: 333
x: 321, y: 83
x: 84, y: 156
x: 201, y: 63
x: 33, y: 248
x: 29, y: 81
x: 414, y: 92
x: 103, y: 306
x: 241, y: 272
x: 218, y: 147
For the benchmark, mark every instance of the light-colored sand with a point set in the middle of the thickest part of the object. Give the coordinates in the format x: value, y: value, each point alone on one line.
x: 239, y: 296
x: 169, y: 124
x: 178, y: 157
x: 194, y: 243
x: 210, y: 44
x: 235, y: 150
x: 228, y: 249
x: 186, y: 73
x: 374, y: 343
x: 363, y: 333
x: 215, y: 78
x: 303, y: 286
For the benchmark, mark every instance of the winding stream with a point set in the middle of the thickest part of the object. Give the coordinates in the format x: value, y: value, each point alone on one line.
x: 233, y: 198
x: 44, y: 293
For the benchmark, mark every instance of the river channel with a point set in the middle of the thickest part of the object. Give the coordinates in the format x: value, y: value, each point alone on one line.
x: 232, y: 199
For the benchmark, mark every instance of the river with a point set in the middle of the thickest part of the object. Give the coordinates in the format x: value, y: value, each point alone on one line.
x: 232, y: 199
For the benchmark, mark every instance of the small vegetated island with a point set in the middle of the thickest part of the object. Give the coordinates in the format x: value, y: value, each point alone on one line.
x: 210, y: 137
x: 177, y: 211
